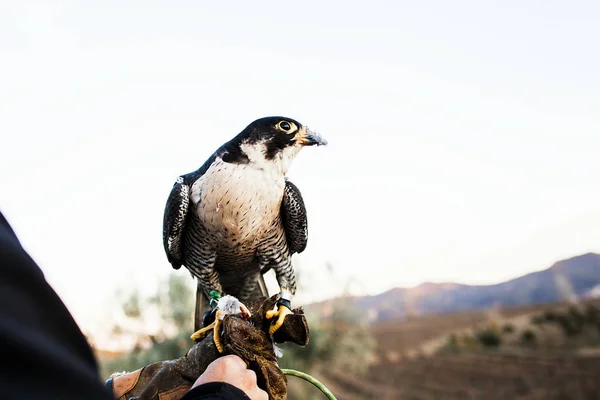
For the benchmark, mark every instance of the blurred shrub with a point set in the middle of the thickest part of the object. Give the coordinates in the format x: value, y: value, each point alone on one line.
x: 592, y: 316
x: 549, y: 316
x: 570, y: 326
x: 572, y: 321
x: 528, y: 337
x: 538, y: 319
x: 489, y: 337
x: 452, y: 345
x: 576, y: 316
x: 508, y: 328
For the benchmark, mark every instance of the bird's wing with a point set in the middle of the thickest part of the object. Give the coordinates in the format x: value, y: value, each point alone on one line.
x: 293, y: 216
x: 176, y: 212
x: 174, y: 221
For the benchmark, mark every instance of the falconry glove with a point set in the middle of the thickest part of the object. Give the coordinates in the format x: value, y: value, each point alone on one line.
x: 251, y: 342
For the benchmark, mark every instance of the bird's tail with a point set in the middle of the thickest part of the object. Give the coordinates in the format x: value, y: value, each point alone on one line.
x: 261, y: 287
x: 202, y: 306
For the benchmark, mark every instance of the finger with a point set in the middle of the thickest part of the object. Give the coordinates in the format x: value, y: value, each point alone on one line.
x: 258, y: 394
x: 251, y: 387
x: 231, y: 363
x: 250, y: 377
x: 221, y: 369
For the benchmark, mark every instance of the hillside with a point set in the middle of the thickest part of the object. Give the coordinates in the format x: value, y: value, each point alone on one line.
x: 413, y: 361
x: 566, y: 279
x: 473, y: 376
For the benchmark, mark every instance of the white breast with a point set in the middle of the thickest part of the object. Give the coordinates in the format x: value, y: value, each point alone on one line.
x: 238, y: 201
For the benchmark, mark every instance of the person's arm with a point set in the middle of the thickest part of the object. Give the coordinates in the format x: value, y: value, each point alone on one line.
x: 215, y: 391
x: 43, y: 353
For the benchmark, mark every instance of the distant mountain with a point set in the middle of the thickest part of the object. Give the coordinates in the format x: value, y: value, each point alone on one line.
x: 565, y: 280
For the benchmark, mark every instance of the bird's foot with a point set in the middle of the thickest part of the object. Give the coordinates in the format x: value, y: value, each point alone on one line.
x: 215, y: 325
x: 282, y: 312
x: 226, y: 305
x: 198, y: 334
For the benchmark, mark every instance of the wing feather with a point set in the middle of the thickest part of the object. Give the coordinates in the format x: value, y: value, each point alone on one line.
x: 293, y: 216
x: 176, y: 213
x: 174, y: 222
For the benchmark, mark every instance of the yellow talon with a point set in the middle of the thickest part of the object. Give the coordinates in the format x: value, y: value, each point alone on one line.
x: 281, y: 313
x: 215, y: 326
x: 196, y: 335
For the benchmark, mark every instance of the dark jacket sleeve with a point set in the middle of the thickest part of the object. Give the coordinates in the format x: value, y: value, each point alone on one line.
x: 215, y: 391
x: 44, y: 354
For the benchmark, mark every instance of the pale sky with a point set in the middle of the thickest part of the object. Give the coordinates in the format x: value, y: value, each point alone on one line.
x: 464, y: 136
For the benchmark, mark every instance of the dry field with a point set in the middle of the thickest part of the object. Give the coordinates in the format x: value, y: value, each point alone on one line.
x: 407, y: 365
x: 473, y: 376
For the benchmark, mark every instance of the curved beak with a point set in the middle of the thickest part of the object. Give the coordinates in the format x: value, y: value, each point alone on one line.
x: 307, y: 137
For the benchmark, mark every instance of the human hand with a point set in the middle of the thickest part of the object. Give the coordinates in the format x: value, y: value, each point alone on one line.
x: 232, y: 370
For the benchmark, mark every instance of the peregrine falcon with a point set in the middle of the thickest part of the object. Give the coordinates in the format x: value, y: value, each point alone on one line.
x: 238, y: 216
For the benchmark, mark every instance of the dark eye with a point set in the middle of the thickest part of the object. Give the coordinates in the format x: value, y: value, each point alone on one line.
x: 285, y: 126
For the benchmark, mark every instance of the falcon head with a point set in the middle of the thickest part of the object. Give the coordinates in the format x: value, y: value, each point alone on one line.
x: 272, y: 142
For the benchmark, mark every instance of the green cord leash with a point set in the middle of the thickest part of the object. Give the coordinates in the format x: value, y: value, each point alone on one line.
x: 310, y: 379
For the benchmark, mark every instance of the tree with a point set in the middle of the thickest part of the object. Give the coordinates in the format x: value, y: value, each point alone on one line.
x: 170, y: 308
